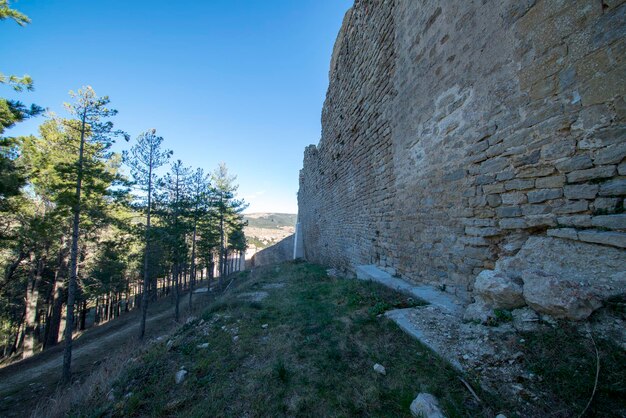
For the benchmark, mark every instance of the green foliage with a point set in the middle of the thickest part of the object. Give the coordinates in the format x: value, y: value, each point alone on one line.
x: 7, y: 13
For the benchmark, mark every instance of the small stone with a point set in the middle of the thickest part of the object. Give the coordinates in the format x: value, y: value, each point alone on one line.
x: 500, y: 416
x: 426, y: 405
x: 203, y: 345
x: 264, y: 326
x: 169, y: 345
x: 378, y: 368
x: 236, y: 338
x: 180, y: 376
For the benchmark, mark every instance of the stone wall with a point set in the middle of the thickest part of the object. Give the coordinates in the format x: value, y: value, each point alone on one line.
x: 277, y: 253
x: 452, y: 131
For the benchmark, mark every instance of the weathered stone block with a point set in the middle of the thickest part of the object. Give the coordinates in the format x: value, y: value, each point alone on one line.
x: 519, y: 184
x: 578, y: 162
x: 581, y: 191
x: 580, y: 221
x: 513, y: 223
x: 572, y: 206
x: 615, y: 187
x: 567, y: 233
x: 482, y: 232
x: 591, y: 174
x: 538, y: 196
x: 610, y: 155
x: 508, y: 211
x: 615, y: 239
x: 541, y: 220
x: 494, y: 200
x: 606, y: 203
x: 513, y: 198
x: 498, y: 290
x: 559, y: 297
x: 617, y: 221
x: 550, y: 182
x: 493, y: 188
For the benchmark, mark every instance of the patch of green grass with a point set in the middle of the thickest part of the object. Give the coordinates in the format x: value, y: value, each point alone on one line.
x: 566, y: 362
x: 314, y: 358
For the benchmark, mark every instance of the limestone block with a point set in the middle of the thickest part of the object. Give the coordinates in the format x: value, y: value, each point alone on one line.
x: 610, y: 155
x: 519, y: 184
x: 499, y: 290
x: 597, y: 266
x: 513, y: 198
x: 615, y: 187
x: 572, y: 206
x: 578, y: 162
x: 559, y: 297
x: 601, y: 172
x: 615, y: 239
x: 541, y: 195
x: 581, y: 191
x: 580, y: 221
x: 513, y: 223
x: 568, y: 233
x: 550, y: 182
x: 606, y: 203
x: 508, y: 211
x: 617, y: 221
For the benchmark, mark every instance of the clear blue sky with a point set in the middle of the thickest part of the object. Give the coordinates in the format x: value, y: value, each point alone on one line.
x: 239, y: 81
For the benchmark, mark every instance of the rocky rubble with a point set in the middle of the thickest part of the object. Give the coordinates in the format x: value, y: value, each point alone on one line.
x: 556, y: 277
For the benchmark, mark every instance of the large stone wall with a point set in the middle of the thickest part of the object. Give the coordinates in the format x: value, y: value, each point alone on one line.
x: 454, y: 130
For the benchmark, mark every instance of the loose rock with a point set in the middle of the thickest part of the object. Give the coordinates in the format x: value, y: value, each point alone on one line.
x: 426, y: 406
x: 378, y: 368
x: 180, y: 376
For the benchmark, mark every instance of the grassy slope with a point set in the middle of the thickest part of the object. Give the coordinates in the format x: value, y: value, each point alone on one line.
x: 315, y: 358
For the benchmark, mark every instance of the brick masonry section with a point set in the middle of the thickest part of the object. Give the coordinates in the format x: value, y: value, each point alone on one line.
x: 454, y: 130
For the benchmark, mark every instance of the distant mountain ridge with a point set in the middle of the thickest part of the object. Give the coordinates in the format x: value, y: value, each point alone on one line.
x: 271, y: 220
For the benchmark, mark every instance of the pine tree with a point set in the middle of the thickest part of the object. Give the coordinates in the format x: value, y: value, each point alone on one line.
x: 91, y: 126
x: 143, y: 159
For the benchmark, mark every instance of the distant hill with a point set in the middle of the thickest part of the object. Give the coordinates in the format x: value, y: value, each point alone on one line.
x: 271, y: 220
x: 266, y: 229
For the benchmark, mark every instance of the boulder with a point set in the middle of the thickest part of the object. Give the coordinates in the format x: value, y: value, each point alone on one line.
x: 426, y: 406
x: 498, y: 290
x: 559, y: 297
x: 599, y: 267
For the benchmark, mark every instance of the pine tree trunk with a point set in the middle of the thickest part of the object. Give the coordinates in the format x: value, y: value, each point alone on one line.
x: 71, y: 294
x: 146, y: 277
x: 32, y: 296
x: 176, y: 290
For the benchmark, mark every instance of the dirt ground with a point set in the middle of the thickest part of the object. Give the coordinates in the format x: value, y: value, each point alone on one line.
x: 24, y: 383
